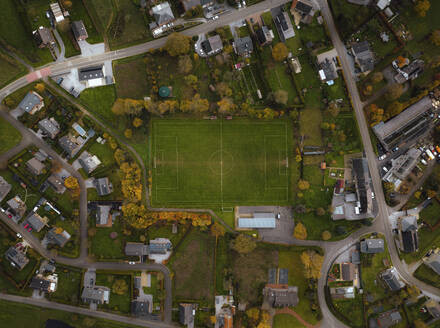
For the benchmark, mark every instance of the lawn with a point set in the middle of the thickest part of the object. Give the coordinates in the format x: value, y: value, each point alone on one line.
x: 193, y: 267
x: 104, y: 10
x: 118, y: 303
x: 20, y: 315
x: 20, y: 37
x: 8, y: 135
x: 69, y: 285
x: 278, y: 77
x: 131, y: 78
x: 352, y: 309
x: 103, y: 247
x: 310, y: 126
x: 220, y: 162
x: 10, y: 69
x: 128, y: 26
x: 286, y: 321
x: 29, y: 198
x: 79, y: 12
x: 99, y: 102
x: 426, y: 274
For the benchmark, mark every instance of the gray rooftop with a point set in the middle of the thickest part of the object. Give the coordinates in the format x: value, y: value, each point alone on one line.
x: 103, y: 214
x: 16, y: 257
x: 103, y: 186
x: 243, y: 46
x: 364, y: 56
x: 90, y: 73
x: 29, y: 101
x: 36, y: 221
x: 372, y: 246
x: 433, y: 261
x: 162, y: 13
x: 79, y: 30
x: 136, y: 249
x: 5, y: 188
x: 49, y: 126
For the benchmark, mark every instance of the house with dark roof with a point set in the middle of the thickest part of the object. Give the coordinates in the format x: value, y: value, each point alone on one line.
x: 44, y: 38
x: 433, y: 261
x: 264, y: 35
x: 5, y: 188
x: 243, y: 46
x: 190, y: 4
x: 96, y: 295
x: 389, y: 318
x: 141, y: 308
x: 162, y: 14
x: 284, y: 26
x: 187, y: 313
x: 56, y: 183
x: 103, y: 186
x: 392, y: 279
x: 57, y: 236
x: 36, y: 221
x: 34, y: 166
x: 402, y: 166
x: 79, y: 30
x: 364, y: 57
x: 304, y: 9
x: 46, y: 284
x: 408, y: 237
x: 103, y: 215
x: 93, y: 76
x: 281, y: 297
x: 213, y: 45
x: 327, y: 72
x: 70, y: 144
x: 16, y: 257
x: 49, y: 126
x: 31, y: 103
x: 409, y: 72
x: 17, y: 207
x: 348, y: 271
x: 136, y: 249
x: 355, y: 257
x: 372, y: 246
x: 360, y: 2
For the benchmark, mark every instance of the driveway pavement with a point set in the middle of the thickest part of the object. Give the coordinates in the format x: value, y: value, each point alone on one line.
x: 284, y: 227
x: 88, y: 49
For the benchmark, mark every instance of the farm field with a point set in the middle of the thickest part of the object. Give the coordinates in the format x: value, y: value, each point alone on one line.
x: 8, y: 135
x: 220, y: 162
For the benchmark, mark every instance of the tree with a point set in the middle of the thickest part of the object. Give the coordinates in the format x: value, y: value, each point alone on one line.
x: 137, y: 122
x: 120, y: 287
x: 376, y: 77
x: 435, y: 37
x: 128, y: 133
x: 226, y: 105
x: 223, y: 90
x: 326, y: 235
x: 394, y: 109
x: 217, y: 230
x: 191, y: 80
x: 243, y: 244
x: 40, y: 87
x: 177, y: 44
x: 312, y: 262
x: 394, y: 91
x: 421, y: 7
x: 333, y: 109
x: 303, y: 185
x: 118, y: 107
x: 419, y: 323
x: 320, y: 211
x: 136, y: 216
x: 253, y: 315
x: 279, y: 51
x: 67, y: 4
x: 71, y: 183
x: 281, y: 97
x: 300, y: 231
x: 185, y: 64
x: 119, y: 156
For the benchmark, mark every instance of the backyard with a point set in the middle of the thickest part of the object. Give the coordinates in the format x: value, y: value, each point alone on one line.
x: 119, y: 301
x: 69, y: 285
x: 286, y: 321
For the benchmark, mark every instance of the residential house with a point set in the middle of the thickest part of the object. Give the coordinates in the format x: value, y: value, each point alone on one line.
x: 50, y: 127
x: 389, y: 318
x: 103, y: 186
x: 44, y: 38
x: 17, y: 207
x: 159, y: 246
x: 71, y: 145
x: 281, y: 297
x: 56, y: 183
x: 382, y: 4
x: 392, y: 279
x: 409, y: 72
x: 327, y: 71
x: 406, y: 126
x: 284, y: 26
x: 16, y: 257
x: 355, y: 257
x: 5, y: 188
x: 136, y: 249
x: 104, y: 216
x: 342, y: 292
x: 243, y: 46
x: 162, y: 14
x: 433, y: 261
x: 57, y: 13
x: 213, y: 45
x: 364, y: 57
x: 142, y: 308
x: 79, y: 30
x: 93, y: 76
x: 35, y: 166
x: 304, y: 10
x: 47, y: 284
x: 372, y: 246
x: 408, y: 237
x: 187, y: 312
x: 348, y: 271
x: 224, y: 311
x: 264, y: 35
x: 57, y: 236
x: 88, y: 162
x: 31, y: 103
x: 36, y: 221
x: 433, y: 308
x: 402, y: 166
x: 96, y: 295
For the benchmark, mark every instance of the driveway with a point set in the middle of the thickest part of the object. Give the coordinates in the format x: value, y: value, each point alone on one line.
x: 88, y: 49
x: 284, y: 227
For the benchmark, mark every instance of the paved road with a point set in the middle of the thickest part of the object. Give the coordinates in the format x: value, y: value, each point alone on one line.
x: 85, y: 311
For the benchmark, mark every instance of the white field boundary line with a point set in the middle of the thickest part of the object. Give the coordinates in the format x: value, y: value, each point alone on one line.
x: 176, y: 187
x: 285, y: 188
x: 221, y: 161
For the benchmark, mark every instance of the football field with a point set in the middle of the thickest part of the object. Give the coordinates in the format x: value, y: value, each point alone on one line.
x: 220, y: 162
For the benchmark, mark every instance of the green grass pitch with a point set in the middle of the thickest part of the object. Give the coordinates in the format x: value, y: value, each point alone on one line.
x: 220, y: 162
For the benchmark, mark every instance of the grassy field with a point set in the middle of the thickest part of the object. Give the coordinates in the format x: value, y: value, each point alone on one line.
x: 310, y: 126
x: 99, y: 101
x: 426, y: 274
x: 8, y: 135
x: 286, y: 321
x: 9, y: 69
x: 220, y: 162
x: 131, y: 79
x: 19, y: 315
x: 104, y: 11
x: 193, y: 267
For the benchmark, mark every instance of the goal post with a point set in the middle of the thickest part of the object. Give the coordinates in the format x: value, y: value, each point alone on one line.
x: 227, y: 209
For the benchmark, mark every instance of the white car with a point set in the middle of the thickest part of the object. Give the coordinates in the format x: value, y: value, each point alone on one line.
x: 385, y: 169
x: 372, y: 195
x: 215, y: 17
x: 132, y: 263
x: 381, y: 158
